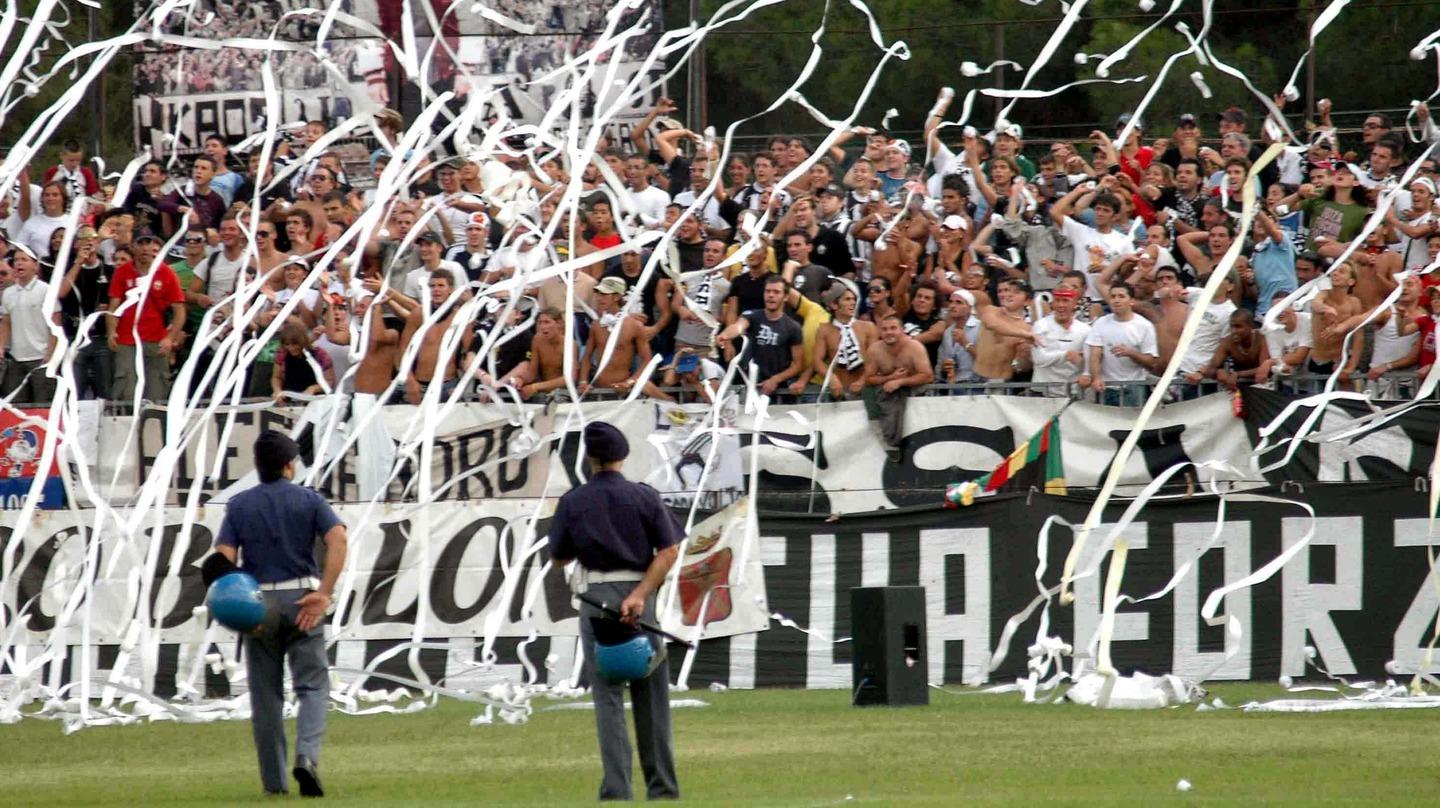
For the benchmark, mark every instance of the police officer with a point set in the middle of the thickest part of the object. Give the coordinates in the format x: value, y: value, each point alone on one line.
x: 625, y: 540
x: 270, y: 531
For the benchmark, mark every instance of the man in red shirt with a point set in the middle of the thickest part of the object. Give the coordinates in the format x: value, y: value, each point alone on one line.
x: 140, y: 293
x: 78, y: 179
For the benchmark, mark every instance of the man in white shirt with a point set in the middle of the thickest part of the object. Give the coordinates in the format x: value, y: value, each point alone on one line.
x: 1093, y: 247
x: 1213, y: 328
x: 1289, y: 345
x: 42, y: 223
x: 214, y: 277
x: 456, y: 204
x: 417, y: 282
x: 1059, y: 358
x: 1394, y: 349
x: 715, y: 224
x: 14, y: 208
x: 644, y: 200
x: 1122, y: 350
x: 25, y: 331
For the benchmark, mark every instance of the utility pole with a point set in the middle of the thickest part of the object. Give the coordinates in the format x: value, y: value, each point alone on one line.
x: 1310, y: 99
x: 999, y: 73
x: 695, y: 79
x: 96, y: 92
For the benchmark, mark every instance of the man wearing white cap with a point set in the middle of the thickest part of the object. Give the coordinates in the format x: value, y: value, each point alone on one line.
x: 25, y: 331
x: 473, y: 253
x: 1008, y: 140
x: 897, y: 164
x: 962, y: 334
x: 1416, y: 222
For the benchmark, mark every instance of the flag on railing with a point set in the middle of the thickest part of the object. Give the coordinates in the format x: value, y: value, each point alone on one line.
x: 1037, y: 462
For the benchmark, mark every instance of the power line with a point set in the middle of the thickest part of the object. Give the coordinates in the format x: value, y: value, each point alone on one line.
x: 1053, y: 20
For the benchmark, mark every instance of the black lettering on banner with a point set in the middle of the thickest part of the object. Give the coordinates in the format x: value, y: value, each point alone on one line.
x: 788, y: 492
x: 908, y: 484
x: 5, y: 611
x: 375, y: 608
x: 31, y: 584
x: 1160, y: 447
x: 192, y: 588
x: 496, y: 577
x: 444, y: 583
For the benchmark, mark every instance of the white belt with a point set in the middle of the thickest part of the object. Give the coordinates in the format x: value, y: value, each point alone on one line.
x: 581, y: 579
x: 308, y: 582
x: 612, y: 577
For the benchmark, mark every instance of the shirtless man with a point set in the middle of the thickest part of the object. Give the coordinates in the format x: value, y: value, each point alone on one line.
x: 1375, y: 269
x: 1330, y: 311
x: 377, y: 365
x: 844, y: 341
x: 895, y: 365
x: 632, y: 346
x: 427, y: 358
x: 372, y: 382
x: 1242, y: 355
x: 544, y: 371
x: 894, y: 258
x: 1168, y: 312
x: 999, y: 356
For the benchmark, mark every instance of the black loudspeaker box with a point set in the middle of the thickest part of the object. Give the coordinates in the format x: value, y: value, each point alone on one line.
x: 889, y: 665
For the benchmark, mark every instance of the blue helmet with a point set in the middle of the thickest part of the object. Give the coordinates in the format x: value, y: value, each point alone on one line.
x: 236, y: 602
x: 622, y: 654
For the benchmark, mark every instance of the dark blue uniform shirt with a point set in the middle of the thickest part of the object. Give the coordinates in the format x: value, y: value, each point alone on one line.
x: 611, y: 524
x: 275, y: 525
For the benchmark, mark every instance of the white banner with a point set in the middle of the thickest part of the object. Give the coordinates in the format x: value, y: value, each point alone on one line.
x: 720, y: 589
x: 442, y: 570
x: 823, y: 458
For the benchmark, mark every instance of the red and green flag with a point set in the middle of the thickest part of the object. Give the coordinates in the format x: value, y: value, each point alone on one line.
x: 1036, y: 463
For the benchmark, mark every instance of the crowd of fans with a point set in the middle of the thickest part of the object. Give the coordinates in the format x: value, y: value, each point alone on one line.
x: 983, y: 264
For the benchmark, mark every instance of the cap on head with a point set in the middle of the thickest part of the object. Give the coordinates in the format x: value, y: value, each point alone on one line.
x: 1341, y: 165
x: 146, y: 235
x: 273, y: 450
x: 21, y: 247
x: 953, y: 222
x: 478, y: 219
x: 901, y: 145
x: 836, y: 291
x: 1187, y: 119
x: 604, y: 443
x: 1124, y: 120
x: 428, y: 237
x: 610, y: 286
x: 1065, y: 291
x: 831, y: 190
x: 965, y: 295
x: 1234, y: 115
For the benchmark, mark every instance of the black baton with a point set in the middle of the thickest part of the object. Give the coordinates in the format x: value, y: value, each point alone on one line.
x: 650, y: 627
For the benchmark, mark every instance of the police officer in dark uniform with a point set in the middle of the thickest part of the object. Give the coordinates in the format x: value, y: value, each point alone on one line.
x: 270, y: 531
x: 625, y: 540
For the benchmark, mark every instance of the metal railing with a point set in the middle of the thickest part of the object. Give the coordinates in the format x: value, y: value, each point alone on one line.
x: 1389, y: 387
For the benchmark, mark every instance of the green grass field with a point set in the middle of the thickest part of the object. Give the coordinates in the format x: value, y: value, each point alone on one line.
x: 776, y: 748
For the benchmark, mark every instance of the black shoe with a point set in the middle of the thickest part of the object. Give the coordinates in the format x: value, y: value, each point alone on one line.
x: 307, y: 777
